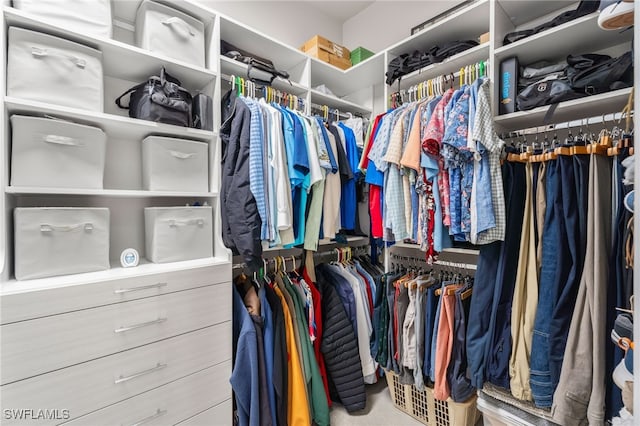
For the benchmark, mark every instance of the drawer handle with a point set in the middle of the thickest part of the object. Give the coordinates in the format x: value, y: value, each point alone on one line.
x: 158, y: 367
x: 143, y: 324
x: 144, y: 287
x: 158, y: 413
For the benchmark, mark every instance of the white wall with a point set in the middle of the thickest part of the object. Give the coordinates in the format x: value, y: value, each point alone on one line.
x: 291, y: 22
x: 387, y: 22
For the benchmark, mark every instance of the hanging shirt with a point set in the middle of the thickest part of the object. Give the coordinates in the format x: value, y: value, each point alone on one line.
x: 269, y: 349
x: 364, y: 160
x: 431, y: 144
x: 282, y: 184
x: 256, y: 165
x: 458, y: 160
x: 348, y: 202
x: 394, y: 195
x: 323, y: 154
x: 332, y: 153
x: 297, y: 404
x: 411, y: 154
x: 364, y: 330
x: 312, y: 152
x: 297, y: 157
x: 331, y: 202
x: 357, y: 126
x: 484, y: 133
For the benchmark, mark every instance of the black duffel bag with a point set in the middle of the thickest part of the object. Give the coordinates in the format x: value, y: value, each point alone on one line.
x: 440, y: 53
x: 159, y: 99
x: 594, y: 74
x: 264, y: 71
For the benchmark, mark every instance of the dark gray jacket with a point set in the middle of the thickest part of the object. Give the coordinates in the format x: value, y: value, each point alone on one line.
x: 240, y: 220
x: 339, y: 347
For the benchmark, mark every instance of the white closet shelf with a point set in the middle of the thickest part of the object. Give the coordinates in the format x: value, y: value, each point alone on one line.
x: 139, y: 63
x: 116, y: 272
x: 231, y: 67
x: 334, y: 102
x: 465, y: 24
x: 284, y: 57
x: 579, y: 36
x: 112, y: 193
x: 113, y: 125
x: 344, y: 82
x: 448, y: 66
x: 591, y: 106
x: 523, y: 12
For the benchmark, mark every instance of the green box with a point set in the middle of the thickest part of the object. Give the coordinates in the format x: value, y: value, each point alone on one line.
x: 359, y: 54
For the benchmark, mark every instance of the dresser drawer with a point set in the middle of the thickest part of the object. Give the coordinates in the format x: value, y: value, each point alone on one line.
x: 46, y: 344
x: 220, y: 415
x: 25, y: 300
x: 169, y: 404
x: 89, y: 386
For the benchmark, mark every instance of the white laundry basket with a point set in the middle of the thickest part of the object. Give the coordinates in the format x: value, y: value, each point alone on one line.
x: 54, y: 241
x: 174, y: 234
x: 58, y: 154
x: 50, y: 69
x: 82, y: 16
x: 171, y: 164
x: 169, y: 32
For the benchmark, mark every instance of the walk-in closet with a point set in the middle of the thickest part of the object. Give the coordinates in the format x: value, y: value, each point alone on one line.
x: 296, y: 213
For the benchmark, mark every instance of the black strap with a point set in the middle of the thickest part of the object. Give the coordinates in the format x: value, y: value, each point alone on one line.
x: 128, y: 92
x: 549, y: 115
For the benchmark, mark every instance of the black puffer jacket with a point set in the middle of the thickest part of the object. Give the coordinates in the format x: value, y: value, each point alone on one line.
x: 339, y: 347
x: 240, y: 219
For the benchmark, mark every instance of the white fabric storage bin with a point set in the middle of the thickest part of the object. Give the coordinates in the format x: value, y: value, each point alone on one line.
x: 54, y: 241
x: 169, y: 32
x: 173, y: 234
x: 82, y: 16
x: 57, y: 154
x: 49, y: 69
x: 170, y: 164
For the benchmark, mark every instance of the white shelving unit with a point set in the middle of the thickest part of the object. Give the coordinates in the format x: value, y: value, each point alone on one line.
x: 160, y: 307
x: 579, y: 36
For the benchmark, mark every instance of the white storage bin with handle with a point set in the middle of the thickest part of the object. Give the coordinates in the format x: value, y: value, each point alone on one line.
x: 54, y: 153
x: 170, y: 164
x: 82, y: 16
x: 49, y: 69
x: 54, y: 241
x: 169, y: 32
x: 174, y: 234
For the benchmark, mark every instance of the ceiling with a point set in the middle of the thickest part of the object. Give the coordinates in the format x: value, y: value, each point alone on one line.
x: 340, y: 10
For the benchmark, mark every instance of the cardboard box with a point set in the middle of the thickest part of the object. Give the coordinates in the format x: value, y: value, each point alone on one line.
x: 326, y: 45
x: 329, y: 58
x: 508, y: 85
x: 341, y: 63
x: 316, y: 52
x: 484, y: 38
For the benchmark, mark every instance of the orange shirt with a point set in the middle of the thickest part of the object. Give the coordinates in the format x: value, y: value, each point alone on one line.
x: 298, y: 405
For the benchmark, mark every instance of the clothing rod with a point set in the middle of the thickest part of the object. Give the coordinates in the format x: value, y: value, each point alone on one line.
x: 355, y: 251
x: 446, y: 76
x: 445, y: 263
x: 331, y: 111
x: 616, y: 117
